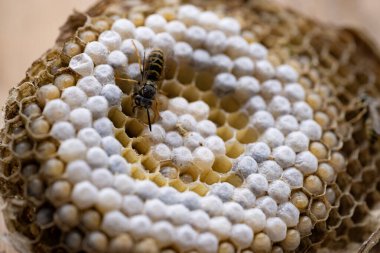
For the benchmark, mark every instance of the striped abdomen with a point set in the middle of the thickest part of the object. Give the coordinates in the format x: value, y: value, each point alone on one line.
x: 154, y: 65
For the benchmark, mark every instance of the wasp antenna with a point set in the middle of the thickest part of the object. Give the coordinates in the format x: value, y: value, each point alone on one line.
x: 150, y: 126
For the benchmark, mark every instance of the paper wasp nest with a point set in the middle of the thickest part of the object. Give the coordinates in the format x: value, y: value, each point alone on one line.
x: 264, y: 140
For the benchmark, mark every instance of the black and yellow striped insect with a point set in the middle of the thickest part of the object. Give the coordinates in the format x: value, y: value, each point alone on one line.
x: 145, y: 89
x: 144, y: 93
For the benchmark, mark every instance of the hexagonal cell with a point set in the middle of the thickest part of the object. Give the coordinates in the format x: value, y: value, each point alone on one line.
x: 169, y: 172
x: 247, y: 135
x: 318, y: 233
x: 365, y: 156
x: 222, y: 164
x: 319, y: 209
x: 344, y: 181
x: 191, y: 93
x: 368, y: 178
x: 130, y: 155
x: 159, y: 179
x: 233, y: 179
x: 204, y: 80
x: 134, y: 128
x: 122, y: 137
x: 354, y: 168
x: 358, y: 234
x: 137, y: 172
x: 185, y: 74
x: 372, y: 199
x: 360, y: 213
x: 334, y: 219
x: 117, y: 117
x: 178, y: 184
x: 234, y: 148
x: 199, y: 188
x: 150, y: 164
x: 358, y: 189
x: 170, y: 68
x: 210, y: 98
x: 141, y: 145
x: 342, y: 230
x: 210, y: 177
x: 225, y: 132
x: 229, y: 104
x: 189, y: 175
x: 237, y: 120
x: 346, y: 206
x: 171, y: 88
x: 217, y: 116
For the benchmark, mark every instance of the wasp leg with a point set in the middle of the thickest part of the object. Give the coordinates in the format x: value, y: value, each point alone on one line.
x: 138, y: 58
x: 156, y: 111
x: 150, y: 125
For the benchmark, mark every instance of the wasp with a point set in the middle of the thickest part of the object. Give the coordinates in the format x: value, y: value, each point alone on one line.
x: 145, y: 90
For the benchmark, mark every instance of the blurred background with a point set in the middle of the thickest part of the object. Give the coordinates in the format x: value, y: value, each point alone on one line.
x: 29, y: 28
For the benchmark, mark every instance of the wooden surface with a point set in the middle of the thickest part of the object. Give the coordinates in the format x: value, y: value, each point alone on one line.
x: 29, y: 27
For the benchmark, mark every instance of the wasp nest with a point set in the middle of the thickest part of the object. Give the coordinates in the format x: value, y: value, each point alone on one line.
x: 259, y: 139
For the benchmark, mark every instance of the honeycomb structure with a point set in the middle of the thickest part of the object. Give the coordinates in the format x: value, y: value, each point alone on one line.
x: 263, y: 142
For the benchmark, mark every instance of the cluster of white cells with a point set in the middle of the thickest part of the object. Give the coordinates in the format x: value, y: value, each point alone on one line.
x: 97, y: 189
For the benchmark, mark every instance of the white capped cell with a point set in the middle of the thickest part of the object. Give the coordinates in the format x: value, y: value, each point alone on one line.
x: 176, y: 28
x: 112, y: 93
x: 271, y: 88
x: 279, y: 105
x: 284, y: 156
x: 111, y: 39
x: 258, y: 51
x: 229, y: 26
x: 221, y: 227
x: 245, y: 166
x: 267, y: 205
x: 102, y: 178
x: 293, y: 177
x: 103, y: 126
x: 289, y: 214
x: 169, y: 195
x: 298, y: 141
x: 206, y: 128
x: 224, y: 191
x: 193, y: 140
x: 178, y: 105
x: 237, y: 46
x: 98, y: 106
x: 279, y: 191
x: 216, y: 145
x: 255, y: 218
x: 201, y: 59
x: 89, y: 137
x: 84, y: 195
x: 74, y: 96
x: 182, y: 157
x: 97, y: 157
x: 262, y: 120
x: 132, y: 205
x: 255, y: 104
x: 90, y: 85
x: 80, y: 118
x: 207, y: 243
x: 270, y: 169
x: 178, y: 214
x: 188, y: 14
x: 247, y: 87
x: 264, y: 70
x: 257, y: 183
x: 294, y: 92
x: 117, y: 59
x: 302, y: 111
x: 145, y: 35
x: 132, y: 52
x: 82, y: 64
x: 108, y: 200
x: 72, y: 149
x: 140, y: 226
x: 244, y: 197
x: 216, y: 42
x: 157, y: 135
x: 161, y: 152
x: 163, y: 232
x: 224, y: 84
x: 97, y: 51
x: 156, y: 22
x: 191, y: 200
x: 124, y: 27
x: 168, y: 120
x: 118, y: 165
x: 56, y: 110
x: 146, y: 189
x: 104, y: 74
x: 203, y: 157
x: 287, y: 124
x: 123, y: 183
x: 183, y: 51
x: 233, y: 211
x: 115, y: 223
x: 243, y: 66
x: 155, y: 209
x: 195, y: 36
x: 221, y: 63
x: 312, y: 129
x: 200, y: 220
x: 186, y: 237
x: 187, y: 121
x: 77, y: 171
x: 273, y: 137
x: 199, y: 110
x: 286, y: 74
x: 275, y: 229
x: 306, y: 162
x: 62, y: 130
x: 241, y: 235
x: 111, y: 145
x: 213, y: 205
